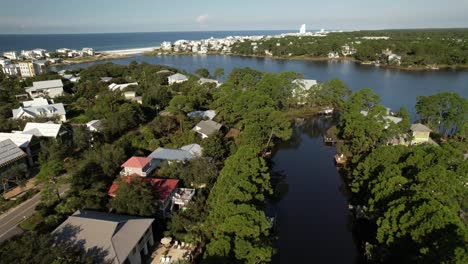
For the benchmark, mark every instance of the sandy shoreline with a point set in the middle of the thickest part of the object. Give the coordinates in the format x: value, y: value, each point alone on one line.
x: 128, y: 51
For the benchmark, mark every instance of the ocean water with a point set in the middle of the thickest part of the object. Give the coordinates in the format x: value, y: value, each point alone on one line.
x: 113, y: 41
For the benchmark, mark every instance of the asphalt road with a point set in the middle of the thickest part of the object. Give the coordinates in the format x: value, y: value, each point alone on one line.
x: 10, y: 220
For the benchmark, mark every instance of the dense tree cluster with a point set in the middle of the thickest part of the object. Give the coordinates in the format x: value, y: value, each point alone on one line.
x: 417, y: 47
x: 417, y: 199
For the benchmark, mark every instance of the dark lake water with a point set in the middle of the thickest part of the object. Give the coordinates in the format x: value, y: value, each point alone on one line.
x: 396, y: 88
x: 313, y: 218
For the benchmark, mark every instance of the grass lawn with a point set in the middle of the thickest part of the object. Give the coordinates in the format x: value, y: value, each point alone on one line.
x: 32, y: 222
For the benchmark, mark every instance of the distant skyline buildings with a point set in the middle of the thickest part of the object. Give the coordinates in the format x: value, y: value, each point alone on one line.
x: 103, y: 16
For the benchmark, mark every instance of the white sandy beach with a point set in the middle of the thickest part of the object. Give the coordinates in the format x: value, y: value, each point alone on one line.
x: 129, y: 51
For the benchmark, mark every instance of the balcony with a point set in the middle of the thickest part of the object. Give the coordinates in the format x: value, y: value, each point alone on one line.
x: 183, y: 196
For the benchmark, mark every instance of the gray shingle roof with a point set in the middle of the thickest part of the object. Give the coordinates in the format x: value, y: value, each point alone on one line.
x: 207, y: 127
x: 171, y: 154
x: 9, y: 152
x: 113, y: 234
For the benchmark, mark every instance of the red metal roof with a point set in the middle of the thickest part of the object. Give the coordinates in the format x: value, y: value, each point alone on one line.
x: 136, y: 162
x: 161, y: 187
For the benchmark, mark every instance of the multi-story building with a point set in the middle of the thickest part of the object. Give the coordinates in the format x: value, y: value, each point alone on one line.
x: 26, y: 69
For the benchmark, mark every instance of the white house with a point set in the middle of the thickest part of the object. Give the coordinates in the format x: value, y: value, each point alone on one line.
x: 141, y: 166
x: 10, y: 55
x: 205, y: 80
x: 394, y: 59
x: 115, y: 87
x: 49, y: 130
x: 177, y: 78
x: 52, y: 89
x: 166, y: 46
x: 87, y: 52
x: 40, y: 101
x: 48, y: 111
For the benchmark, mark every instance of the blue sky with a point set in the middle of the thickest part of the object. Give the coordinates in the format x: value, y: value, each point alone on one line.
x: 82, y: 16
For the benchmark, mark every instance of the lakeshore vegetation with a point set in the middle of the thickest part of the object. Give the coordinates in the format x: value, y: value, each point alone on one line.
x: 413, y: 196
x: 419, y: 49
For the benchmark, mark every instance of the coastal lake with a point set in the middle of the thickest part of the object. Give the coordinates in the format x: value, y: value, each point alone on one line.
x: 313, y: 217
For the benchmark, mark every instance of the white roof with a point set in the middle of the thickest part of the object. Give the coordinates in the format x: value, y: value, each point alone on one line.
x: 42, y: 129
x: 40, y: 111
x: 114, y: 86
x: 178, y: 77
x: 45, y: 85
x: 20, y: 140
x: 96, y: 124
x: 306, y: 84
x: 40, y: 101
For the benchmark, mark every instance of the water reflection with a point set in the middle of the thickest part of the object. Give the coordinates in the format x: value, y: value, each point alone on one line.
x: 313, y: 220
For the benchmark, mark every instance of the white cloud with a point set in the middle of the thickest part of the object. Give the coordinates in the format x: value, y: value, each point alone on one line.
x: 201, y: 19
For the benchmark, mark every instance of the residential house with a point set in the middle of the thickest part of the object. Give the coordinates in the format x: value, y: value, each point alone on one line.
x: 166, y: 46
x: 45, y: 130
x: 164, y: 189
x: 177, y: 78
x: 115, y: 87
x: 421, y: 133
x: 47, y: 111
x: 26, y: 69
x: 11, y: 155
x: 10, y: 55
x: 106, y: 79
x: 52, y: 89
x: 333, y: 55
x: 194, y: 149
x: 170, y: 155
x: 305, y: 84
x: 40, y: 101
x: 208, y: 114
x: 94, y: 125
x: 132, y: 96
x: 27, y: 142
x: 141, y: 166
x: 87, y: 52
x: 387, y: 118
x: 394, y: 59
x: 205, y: 80
x: 207, y: 128
x: 109, y: 238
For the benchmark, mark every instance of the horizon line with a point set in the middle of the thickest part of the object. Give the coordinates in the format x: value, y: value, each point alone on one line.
x: 236, y: 30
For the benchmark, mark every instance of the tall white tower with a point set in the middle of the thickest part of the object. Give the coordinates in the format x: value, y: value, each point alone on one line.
x: 303, y: 29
